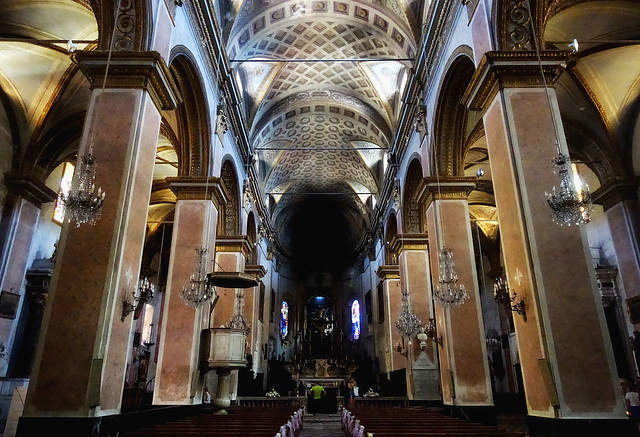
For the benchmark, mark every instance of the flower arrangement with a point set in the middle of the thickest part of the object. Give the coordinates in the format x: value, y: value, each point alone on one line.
x: 370, y: 393
x: 272, y: 393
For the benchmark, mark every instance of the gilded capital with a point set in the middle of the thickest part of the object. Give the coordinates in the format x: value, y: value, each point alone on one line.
x: 199, y: 188
x: 28, y: 188
x: 444, y: 188
x: 388, y: 272
x: 401, y: 242
x: 131, y: 70
x: 233, y: 243
x: 613, y: 192
x: 517, y: 69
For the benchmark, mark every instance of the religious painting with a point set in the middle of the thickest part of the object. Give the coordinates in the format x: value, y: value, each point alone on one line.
x: 9, y: 304
x: 633, y: 304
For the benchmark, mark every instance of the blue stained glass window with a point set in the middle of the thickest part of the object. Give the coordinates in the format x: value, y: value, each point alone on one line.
x: 355, y: 320
x: 284, y: 319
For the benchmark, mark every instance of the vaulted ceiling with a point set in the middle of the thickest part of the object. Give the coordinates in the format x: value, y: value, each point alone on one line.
x: 322, y: 83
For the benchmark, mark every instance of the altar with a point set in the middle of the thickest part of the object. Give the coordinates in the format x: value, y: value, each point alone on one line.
x: 333, y: 399
x: 326, y: 383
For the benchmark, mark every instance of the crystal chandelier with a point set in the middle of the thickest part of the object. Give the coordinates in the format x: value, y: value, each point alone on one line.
x: 408, y: 323
x: 199, y: 290
x: 449, y: 293
x: 142, y: 295
x: 238, y: 320
x: 568, y: 204
x: 82, y: 205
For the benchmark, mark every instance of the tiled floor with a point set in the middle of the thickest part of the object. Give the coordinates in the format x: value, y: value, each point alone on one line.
x: 322, y: 425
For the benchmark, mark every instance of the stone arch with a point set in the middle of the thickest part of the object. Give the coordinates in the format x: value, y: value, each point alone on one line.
x: 512, y: 24
x: 411, y: 213
x: 390, y: 231
x: 193, y: 128
x: 134, y: 24
x: 229, y: 217
x: 451, y: 115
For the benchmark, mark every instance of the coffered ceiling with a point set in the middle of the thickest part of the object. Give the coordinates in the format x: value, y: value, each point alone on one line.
x: 322, y: 83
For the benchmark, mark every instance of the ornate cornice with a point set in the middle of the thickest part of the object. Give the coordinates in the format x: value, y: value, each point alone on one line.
x: 131, y: 70
x: 255, y: 270
x: 233, y: 243
x: 30, y: 189
x: 500, y: 70
x: 614, y: 192
x: 444, y: 188
x: 199, y: 188
x: 388, y: 272
x: 401, y: 242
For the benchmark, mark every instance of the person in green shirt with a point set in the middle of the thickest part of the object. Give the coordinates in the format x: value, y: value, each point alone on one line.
x: 316, y: 393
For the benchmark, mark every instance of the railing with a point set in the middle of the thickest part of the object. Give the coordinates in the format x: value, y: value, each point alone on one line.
x: 266, y: 401
x: 382, y: 401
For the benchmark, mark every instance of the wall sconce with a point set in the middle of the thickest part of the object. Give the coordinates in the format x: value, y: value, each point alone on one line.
x: 502, y: 294
x: 431, y: 333
x: 143, y: 294
x: 400, y: 348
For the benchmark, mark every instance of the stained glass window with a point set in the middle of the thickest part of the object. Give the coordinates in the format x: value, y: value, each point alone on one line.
x: 355, y: 320
x: 284, y: 319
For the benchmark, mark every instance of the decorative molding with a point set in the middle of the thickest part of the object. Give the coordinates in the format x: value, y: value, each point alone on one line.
x: 444, y: 188
x: 613, y: 192
x: 30, y: 189
x: 500, y: 70
x: 401, y: 242
x: 199, y: 188
x: 233, y: 243
x: 386, y: 272
x: 255, y: 270
x: 131, y: 70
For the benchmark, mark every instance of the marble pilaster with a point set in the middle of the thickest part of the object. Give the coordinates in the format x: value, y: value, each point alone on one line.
x: 464, y: 367
x: 565, y: 353
x: 415, y: 275
x: 195, y: 225
x: 80, y: 365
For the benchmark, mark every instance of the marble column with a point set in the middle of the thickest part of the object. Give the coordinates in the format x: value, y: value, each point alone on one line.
x: 390, y: 337
x: 619, y: 199
x: 80, y: 363
x: 19, y: 222
x: 463, y: 364
x: 232, y: 252
x: 565, y: 353
x: 195, y: 225
x: 18, y: 225
x: 415, y: 276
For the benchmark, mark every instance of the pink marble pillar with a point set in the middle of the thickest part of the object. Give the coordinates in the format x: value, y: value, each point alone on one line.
x: 565, y: 353
x: 231, y: 255
x: 620, y: 202
x: 463, y: 359
x: 392, y: 298
x: 194, y: 227
x: 81, y: 357
x: 19, y: 222
x: 415, y: 276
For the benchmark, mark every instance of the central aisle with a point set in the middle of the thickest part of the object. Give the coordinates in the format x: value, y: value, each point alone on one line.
x: 322, y: 425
